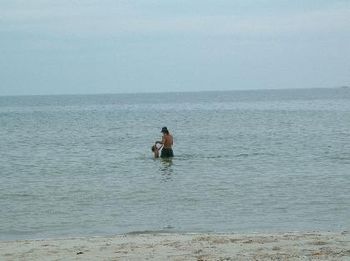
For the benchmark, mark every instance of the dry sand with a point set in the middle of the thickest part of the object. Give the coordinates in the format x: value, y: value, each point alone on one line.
x: 282, y: 246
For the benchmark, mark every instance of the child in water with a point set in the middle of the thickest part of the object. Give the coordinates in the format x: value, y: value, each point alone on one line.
x: 155, y: 149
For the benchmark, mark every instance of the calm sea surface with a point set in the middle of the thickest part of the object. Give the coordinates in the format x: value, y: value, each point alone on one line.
x: 245, y: 161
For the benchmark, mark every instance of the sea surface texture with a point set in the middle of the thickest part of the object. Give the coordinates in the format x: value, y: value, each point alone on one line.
x: 245, y: 161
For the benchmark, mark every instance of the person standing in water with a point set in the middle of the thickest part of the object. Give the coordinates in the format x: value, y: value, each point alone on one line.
x: 167, y: 143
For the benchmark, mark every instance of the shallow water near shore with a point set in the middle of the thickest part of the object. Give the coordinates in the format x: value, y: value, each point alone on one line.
x: 245, y: 161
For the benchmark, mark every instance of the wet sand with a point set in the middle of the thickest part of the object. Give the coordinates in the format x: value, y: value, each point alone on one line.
x: 278, y: 246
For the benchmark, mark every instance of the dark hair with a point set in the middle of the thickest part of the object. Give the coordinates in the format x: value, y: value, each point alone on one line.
x: 165, y: 130
x: 153, y: 148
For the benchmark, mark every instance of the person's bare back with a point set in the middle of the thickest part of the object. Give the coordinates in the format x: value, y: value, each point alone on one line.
x: 167, y: 142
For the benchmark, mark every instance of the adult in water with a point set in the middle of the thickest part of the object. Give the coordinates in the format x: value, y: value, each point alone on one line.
x: 167, y: 142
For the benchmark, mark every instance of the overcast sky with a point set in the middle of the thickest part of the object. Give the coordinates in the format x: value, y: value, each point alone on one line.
x: 117, y: 46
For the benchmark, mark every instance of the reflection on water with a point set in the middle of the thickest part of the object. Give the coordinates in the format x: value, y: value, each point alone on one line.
x: 166, y: 168
x: 166, y: 196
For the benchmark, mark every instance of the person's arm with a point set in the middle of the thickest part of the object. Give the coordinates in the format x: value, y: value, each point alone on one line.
x: 161, y: 142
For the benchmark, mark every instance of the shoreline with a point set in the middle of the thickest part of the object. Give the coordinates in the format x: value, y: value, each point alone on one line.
x: 185, y: 246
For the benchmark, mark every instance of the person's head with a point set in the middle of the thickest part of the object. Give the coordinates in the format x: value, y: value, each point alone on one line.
x: 165, y: 130
x: 153, y: 148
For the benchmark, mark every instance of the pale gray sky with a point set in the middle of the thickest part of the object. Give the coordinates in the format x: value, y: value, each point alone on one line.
x: 117, y: 46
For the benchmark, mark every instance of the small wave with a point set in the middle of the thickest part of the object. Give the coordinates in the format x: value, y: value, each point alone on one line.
x: 148, y: 232
x: 19, y: 195
x: 342, y: 159
x: 242, y: 155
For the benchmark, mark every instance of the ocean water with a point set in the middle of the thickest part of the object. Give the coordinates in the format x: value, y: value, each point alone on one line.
x: 245, y: 161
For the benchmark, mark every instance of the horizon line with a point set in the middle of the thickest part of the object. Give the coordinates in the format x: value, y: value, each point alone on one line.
x: 165, y: 92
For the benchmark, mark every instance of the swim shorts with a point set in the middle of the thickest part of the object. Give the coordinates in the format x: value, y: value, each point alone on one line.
x: 166, y: 153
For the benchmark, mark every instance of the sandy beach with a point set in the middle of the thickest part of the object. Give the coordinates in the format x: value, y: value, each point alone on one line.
x: 281, y: 246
